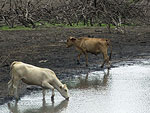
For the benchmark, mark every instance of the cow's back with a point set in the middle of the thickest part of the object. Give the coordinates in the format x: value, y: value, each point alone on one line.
x: 90, y: 44
x: 31, y: 73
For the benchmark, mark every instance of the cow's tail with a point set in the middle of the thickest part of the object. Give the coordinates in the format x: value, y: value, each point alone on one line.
x: 11, y: 68
x: 110, y: 46
x: 10, y: 83
x: 12, y: 64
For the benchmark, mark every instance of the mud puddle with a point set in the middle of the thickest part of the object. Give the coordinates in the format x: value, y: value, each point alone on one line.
x: 123, y: 89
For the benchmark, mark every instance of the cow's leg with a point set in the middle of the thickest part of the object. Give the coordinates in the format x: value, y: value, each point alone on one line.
x: 16, y: 92
x: 10, y: 85
x: 15, y: 87
x: 44, y: 92
x: 108, y: 63
x: 106, y: 59
x: 78, y: 59
x: 86, y: 57
x: 46, y: 85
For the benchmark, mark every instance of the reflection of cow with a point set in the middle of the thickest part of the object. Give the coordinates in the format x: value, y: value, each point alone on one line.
x: 50, y: 108
x: 14, y: 108
x: 91, y: 45
x: 95, y: 82
x: 33, y: 75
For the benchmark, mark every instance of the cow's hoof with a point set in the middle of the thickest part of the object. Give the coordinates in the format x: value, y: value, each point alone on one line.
x: 78, y: 63
x: 52, y: 99
x: 17, y: 99
x: 108, y: 67
x: 67, y: 98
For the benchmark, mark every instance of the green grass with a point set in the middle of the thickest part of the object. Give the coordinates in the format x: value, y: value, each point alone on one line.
x: 80, y: 25
x: 74, y: 25
x: 5, y: 28
x: 47, y: 25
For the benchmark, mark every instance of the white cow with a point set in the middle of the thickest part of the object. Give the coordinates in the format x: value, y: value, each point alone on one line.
x: 33, y: 75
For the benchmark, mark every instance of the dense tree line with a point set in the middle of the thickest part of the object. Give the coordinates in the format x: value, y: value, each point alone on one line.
x: 89, y: 12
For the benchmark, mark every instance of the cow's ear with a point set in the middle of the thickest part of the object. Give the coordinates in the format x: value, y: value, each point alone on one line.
x: 72, y: 38
x: 65, y: 85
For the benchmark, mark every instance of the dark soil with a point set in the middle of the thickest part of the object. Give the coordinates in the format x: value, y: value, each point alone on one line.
x: 46, y: 48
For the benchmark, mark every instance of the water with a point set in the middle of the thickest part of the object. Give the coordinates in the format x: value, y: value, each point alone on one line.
x: 124, y: 89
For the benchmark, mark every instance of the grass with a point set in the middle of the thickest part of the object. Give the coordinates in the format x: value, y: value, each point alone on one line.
x: 5, y: 28
x: 74, y: 25
x: 47, y: 25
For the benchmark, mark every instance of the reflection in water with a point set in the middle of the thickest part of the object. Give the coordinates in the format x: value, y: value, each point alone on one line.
x: 94, y: 82
x: 124, y: 90
x: 44, y: 109
x: 13, y: 108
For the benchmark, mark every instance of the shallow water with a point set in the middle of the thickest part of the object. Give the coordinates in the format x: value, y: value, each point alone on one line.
x: 124, y: 89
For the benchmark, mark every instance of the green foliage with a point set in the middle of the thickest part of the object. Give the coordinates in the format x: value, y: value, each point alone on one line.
x: 15, y: 28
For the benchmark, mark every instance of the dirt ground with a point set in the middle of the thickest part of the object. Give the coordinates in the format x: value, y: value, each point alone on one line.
x: 46, y: 48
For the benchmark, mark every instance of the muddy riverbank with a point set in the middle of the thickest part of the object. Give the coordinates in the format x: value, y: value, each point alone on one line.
x: 46, y: 48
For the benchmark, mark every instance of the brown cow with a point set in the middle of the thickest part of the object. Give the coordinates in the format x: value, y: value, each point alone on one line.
x: 91, y: 45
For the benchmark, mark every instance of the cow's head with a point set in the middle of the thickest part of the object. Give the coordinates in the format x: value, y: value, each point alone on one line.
x: 64, y: 91
x: 70, y: 41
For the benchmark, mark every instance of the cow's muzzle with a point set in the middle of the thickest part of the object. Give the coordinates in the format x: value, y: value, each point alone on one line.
x: 67, y: 98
